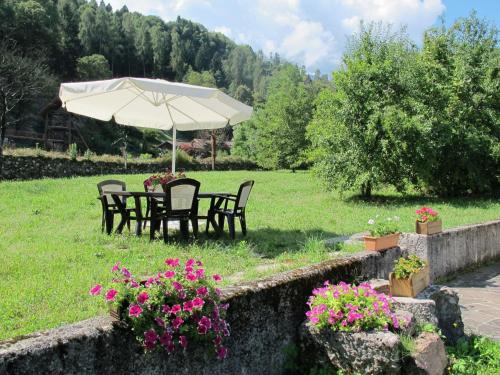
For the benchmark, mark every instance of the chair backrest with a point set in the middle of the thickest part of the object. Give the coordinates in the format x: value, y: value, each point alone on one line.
x: 243, y: 194
x: 110, y: 185
x: 181, y: 196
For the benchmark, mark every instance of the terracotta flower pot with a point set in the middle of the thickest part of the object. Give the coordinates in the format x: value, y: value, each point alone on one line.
x: 411, y: 286
x: 381, y: 243
x: 429, y: 227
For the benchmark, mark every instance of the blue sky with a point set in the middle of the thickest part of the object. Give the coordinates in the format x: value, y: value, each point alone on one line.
x: 310, y: 32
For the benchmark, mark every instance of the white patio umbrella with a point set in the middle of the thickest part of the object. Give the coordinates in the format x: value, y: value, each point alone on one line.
x: 154, y: 103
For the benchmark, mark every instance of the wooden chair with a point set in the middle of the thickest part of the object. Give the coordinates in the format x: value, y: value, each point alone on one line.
x: 180, y: 204
x: 238, y: 210
x: 160, y: 201
x: 109, y: 208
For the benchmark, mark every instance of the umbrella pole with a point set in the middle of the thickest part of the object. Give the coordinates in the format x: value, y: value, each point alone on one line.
x: 174, y: 148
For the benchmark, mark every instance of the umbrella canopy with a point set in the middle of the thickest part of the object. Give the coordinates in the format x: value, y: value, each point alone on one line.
x: 154, y: 103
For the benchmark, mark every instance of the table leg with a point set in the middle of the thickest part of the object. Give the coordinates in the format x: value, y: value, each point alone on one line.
x: 138, y: 216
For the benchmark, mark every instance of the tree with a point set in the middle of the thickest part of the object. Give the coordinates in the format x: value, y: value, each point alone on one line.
x: 205, y: 78
x: 21, y: 79
x: 281, y: 122
x: 364, y: 133
x: 93, y: 67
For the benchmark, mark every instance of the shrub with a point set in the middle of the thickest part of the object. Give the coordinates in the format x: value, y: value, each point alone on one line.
x: 379, y: 228
x: 404, y: 267
x: 145, y: 156
x: 73, y: 151
x: 88, y: 155
x: 350, y: 308
x: 474, y: 355
x: 172, y: 309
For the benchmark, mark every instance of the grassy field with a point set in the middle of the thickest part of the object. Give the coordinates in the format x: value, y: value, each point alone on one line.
x: 53, y: 250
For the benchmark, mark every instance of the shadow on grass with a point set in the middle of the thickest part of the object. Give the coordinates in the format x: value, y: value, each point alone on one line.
x: 264, y: 242
x: 405, y: 200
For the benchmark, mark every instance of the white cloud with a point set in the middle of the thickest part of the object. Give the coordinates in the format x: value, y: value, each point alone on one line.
x: 308, y: 42
x: 416, y: 14
x: 223, y: 30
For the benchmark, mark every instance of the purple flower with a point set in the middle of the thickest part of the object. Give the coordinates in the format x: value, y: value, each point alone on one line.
x: 111, y: 294
x: 116, y: 267
x: 222, y: 352
x: 134, y: 310
x: 202, y: 291
x: 95, y: 290
x: 172, y: 262
x: 169, y: 274
x: 126, y: 273
x: 183, y: 341
x: 142, y: 297
x: 177, y: 322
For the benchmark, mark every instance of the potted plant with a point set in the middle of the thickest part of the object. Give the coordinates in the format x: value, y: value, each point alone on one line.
x: 384, y: 234
x: 177, y: 307
x: 428, y: 221
x: 351, y: 319
x: 410, y: 277
x: 153, y: 181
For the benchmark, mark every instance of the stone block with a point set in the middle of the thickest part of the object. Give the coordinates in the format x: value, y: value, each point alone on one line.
x: 376, y: 352
x: 429, y: 357
x: 448, y: 311
x: 423, y: 310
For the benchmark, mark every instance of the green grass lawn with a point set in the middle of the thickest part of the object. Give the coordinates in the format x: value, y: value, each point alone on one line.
x: 53, y: 251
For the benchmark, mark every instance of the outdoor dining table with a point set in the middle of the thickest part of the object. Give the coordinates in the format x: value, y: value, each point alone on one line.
x: 216, y: 201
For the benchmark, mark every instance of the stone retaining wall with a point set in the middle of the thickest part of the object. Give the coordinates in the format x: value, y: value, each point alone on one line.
x: 264, y: 316
x: 34, y: 167
x: 455, y: 249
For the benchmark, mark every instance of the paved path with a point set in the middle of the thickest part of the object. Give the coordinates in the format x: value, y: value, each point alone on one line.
x: 479, y: 293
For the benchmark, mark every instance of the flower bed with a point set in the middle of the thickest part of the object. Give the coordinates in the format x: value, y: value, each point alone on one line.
x: 162, y: 178
x: 172, y: 309
x: 350, y: 308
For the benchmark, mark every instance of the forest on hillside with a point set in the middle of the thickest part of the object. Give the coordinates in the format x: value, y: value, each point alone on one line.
x: 71, y: 40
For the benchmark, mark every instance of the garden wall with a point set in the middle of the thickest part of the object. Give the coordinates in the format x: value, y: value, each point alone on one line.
x: 34, y: 167
x: 455, y: 249
x: 264, y: 315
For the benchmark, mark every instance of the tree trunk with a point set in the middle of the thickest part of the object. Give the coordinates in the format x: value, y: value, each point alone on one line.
x: 3, y: 129
x: 366, y: 190
x: 214, y: 148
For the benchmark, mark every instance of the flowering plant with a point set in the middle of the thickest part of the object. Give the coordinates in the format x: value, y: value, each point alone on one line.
x: 162, y: 178
x: 350, y: 308
x: 426, y: 214
x: 404, y: 267
x: 172, y: 309
x: 381, y: 228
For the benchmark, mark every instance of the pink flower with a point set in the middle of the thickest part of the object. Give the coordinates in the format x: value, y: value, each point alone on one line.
x: 202, y: 330
x: 205, y: 320
x: 199, y: 263
x: 142, y: 297
x: 218, y: 341
x: 172, y: 262
x: 166, y: 338
x: 169, y: 274
x: 160, y: 322
x: 175, y: 309
x: 126, y: 272
x: 190, y: 262
x: 222, y: 352
x: 177, y: 322
x: 111, y: 294
x: 177, y: 286
x: 200, y: 273
x: 188, y: 269
x: 191, y: 277
x: 151, y: 336
x: 165, y: 309
x: 188, y: 306
x: 217, y: 277
x: 198, y: 303
x: 116, y: 267
x: 202, y: 291
x: 134, y: 284
x: 134, y: 310
x: 183, y: 341
x: 95, y: 290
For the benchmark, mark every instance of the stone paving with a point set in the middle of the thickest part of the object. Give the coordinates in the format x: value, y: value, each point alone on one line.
x: 479, y: 293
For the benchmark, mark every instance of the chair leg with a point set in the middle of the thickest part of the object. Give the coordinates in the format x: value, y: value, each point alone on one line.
x: 147, y: 214
x: 221, y: 222
x: 152, y: 229
x: 194, y: 222
x: 184, y: 227
x: 103, y: 222
x: 128, y: 224
x: 243, y: 224
x: 109, y: 216
x: 165, y: 230
x: 230, y: 224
